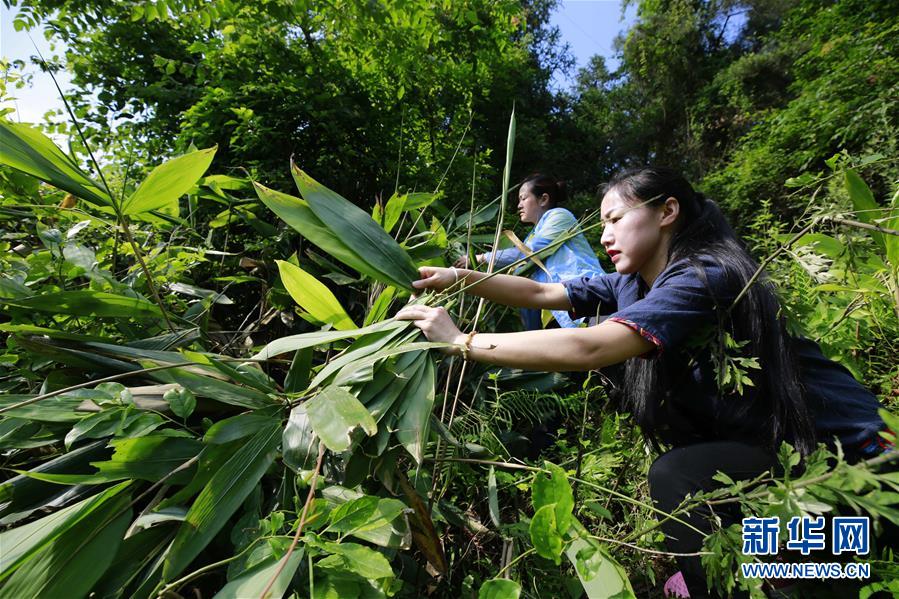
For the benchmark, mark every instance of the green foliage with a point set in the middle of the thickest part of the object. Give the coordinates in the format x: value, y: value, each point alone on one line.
x: 790, y: 113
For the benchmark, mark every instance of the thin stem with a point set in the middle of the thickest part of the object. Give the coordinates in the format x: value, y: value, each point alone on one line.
x: 115, y: 205
x: 650, y: 551
x: 515, y: 561
x: 119, y: 376
x: 296, y: 537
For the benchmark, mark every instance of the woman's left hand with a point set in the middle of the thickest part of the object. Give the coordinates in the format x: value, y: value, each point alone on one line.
x: 435, y: 323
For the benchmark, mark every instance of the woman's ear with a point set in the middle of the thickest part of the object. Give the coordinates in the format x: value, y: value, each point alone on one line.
x: 670, y: 211
x: 544, y: 200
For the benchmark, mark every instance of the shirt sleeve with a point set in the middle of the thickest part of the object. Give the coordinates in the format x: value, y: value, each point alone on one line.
x: 590, y: 296
x: 556, y: 223
x: 682, y: 301
x: 504, y: 257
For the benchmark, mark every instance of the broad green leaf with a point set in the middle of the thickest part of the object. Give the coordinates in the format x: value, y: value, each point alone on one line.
x: 22, y: 541
x: 121, y: 422
x: 353, y: 514
x: 354, y: 357
x: 26, y: 149
x: 554, y: 489
x: 146, y: 458
x: 221, y: 496
x: 182, y: 401
x: 312, y: 295
x: 334, y: 414
x: 238, y: 427
x: 379, y: 398
x: 169, y: 181
x: 255, y: 580
x: 135, y: 553
x: 385, y: 527
x: 86, y: 302
x: 149, y: 458
x: 825, y: 244
x: 393, y: 210
x: 602, y: 577
x: 349, y: 374
x: 358, y: 231
x: 75, y: 554
x: 364, y: 561
x: 299, y: 443
x: 207, y: 386
x: 296, y: 213
x: 866, y: 207
x: 53, y: 409
x: 297, y: 377
x: 415, y: 415
x: 295, y: 342
x: 499, y: 588
x: 420, y: 199
x: 545, y: 534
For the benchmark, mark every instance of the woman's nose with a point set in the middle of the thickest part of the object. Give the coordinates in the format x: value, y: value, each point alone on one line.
x: 606, y: 238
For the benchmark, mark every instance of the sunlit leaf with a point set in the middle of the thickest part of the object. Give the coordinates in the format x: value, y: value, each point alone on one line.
x: 26, y: 149
x: 313, y: 296
x: 221, y: 496
x: 335, y: 414
x: 358, y: 231
x: 499, y: 588
x: 169, y: 181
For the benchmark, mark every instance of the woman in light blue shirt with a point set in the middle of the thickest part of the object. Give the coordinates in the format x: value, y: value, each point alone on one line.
x: 539, y: 199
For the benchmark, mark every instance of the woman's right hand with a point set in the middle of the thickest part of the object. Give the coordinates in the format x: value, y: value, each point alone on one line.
x: 434, y: 277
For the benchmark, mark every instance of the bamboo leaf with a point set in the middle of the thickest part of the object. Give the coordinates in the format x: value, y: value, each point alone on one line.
x: 414, y: 420
x: 255, y: 580
x: 335, y: 414
x: 296, y: 342
x: 357, y: 229
x: 393, y: 210
x: 864, y: 203
x: 26, y: 149
x: 296, y: 213
x: 312, y: 295
x: 87, y: 302
x: 76, y: 553
x: 221, y: 496
x: 169, y: 181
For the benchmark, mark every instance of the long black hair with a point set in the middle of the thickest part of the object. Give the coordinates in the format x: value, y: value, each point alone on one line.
x: 703, y: 231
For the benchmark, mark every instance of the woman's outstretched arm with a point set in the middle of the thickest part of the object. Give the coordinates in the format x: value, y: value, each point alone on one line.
x: 509, y: 290
x: 553, y: 350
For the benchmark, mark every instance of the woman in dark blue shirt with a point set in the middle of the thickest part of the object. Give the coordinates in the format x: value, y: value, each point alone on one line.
x: 685, y: 297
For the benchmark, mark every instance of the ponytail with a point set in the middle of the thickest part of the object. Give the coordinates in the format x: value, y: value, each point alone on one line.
x: 541, y: 184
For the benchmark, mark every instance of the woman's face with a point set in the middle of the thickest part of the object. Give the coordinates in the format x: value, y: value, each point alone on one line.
x: 632, y: 234
x: 530, y: 207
